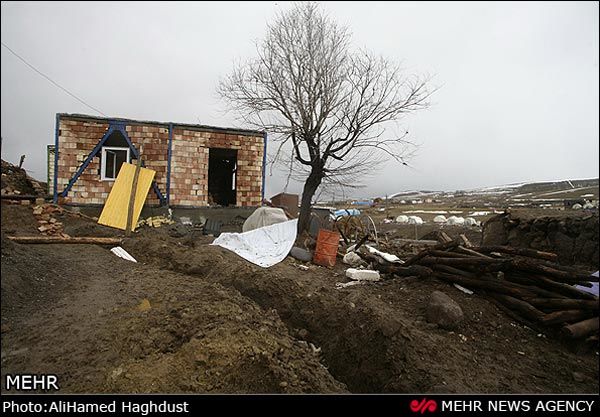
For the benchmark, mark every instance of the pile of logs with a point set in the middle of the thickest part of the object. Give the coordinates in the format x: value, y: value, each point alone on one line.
x: 527, y: 284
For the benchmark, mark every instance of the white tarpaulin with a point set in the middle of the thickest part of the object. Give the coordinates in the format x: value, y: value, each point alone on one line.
x: 265, y: 246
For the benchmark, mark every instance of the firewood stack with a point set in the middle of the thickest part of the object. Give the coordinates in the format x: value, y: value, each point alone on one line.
x: 527, y: 284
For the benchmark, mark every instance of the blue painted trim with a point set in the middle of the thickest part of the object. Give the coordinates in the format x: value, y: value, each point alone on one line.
x: 56, y: 130
x: 114, y: 125
x: 87, y: 161
x: 264, y: 166
x: 121, y: 127
x: 169, y: 154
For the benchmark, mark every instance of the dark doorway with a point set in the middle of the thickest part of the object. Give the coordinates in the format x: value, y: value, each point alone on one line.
x: 222, y: 166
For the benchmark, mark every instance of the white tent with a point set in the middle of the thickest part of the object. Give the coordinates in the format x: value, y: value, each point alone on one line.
x: 470, y: 221
x: 439, y: 219
x: 264, y: 216
x: 455, y: 221
x: 402, y: 219
x: 415, y: 220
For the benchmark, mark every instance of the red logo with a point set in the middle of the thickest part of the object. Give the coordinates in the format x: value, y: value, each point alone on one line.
x: 423, y: 406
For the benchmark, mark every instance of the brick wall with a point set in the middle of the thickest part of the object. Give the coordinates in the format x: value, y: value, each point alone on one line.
x: 189, y: 166
x: 189, y: 163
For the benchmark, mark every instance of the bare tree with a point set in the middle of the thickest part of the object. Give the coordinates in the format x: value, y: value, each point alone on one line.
x: 326, y: 105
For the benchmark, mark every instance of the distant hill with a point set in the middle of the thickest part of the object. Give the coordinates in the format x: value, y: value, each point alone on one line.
x: 519, y: 192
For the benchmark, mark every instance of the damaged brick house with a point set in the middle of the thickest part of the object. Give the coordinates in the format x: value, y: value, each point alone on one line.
x: 196, y: 165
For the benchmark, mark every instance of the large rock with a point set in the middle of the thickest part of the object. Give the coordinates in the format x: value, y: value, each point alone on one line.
x: 443, y: 311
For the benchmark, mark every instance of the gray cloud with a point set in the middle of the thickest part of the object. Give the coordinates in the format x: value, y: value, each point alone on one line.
x: 518, y: 98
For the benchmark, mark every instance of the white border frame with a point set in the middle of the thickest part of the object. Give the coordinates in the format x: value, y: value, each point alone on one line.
x: 103, y: 159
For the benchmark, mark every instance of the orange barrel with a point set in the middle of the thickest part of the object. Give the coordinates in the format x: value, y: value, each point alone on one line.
x: 327, y: 246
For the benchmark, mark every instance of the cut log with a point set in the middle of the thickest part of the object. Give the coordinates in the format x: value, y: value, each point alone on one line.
x: 582, y: 328
x: 466, y: 241
x: 471, y: 252
x: 555, y: 274
x: 390, y: 268
x: 564, y: 304
x: 454, y: 271
x: 512, y: 314
x: 558, y: 287
x: 530, y: 253
x: 66, y: 240
x: 447, y: 254
x: 488, y: 285
x: 431, y: 260
x: 134, y: 185
x: 444, y: 238
x: 523, y: 307
x: 565, y: 316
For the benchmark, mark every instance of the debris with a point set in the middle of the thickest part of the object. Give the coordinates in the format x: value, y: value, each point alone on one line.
x: 444, y: 311
x: 212, y: 227
x: 302, y: 267
x: 122, y: 253
x: 362, y: 274
x: 463, y: 289
x: 156, y: 221
x: 316, y: 350
x: 386, y: 256
x: 340, y: 285
x: 186, y: 221
x: 300, y: 254
x: 144, y: 305
x: 352, y: 258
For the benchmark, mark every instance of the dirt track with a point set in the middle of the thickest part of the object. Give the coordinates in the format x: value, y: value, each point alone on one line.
x: 219, y: 324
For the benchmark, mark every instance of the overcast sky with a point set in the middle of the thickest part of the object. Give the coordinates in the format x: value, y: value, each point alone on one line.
x: 518, y: 98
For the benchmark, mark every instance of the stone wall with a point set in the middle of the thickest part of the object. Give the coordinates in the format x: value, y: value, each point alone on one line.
x: 573, y: 238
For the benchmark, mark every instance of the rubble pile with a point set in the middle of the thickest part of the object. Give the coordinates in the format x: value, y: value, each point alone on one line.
x: 15, y: 181
x: 48, y: 224
x: 156, y: 221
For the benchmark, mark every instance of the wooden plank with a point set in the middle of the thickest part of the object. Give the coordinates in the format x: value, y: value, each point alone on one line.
x: 114, y: 213
x: 66, y: 240
x: 131, y: 203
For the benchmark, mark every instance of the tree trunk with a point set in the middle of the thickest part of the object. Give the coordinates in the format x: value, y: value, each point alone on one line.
x: 310, y: 187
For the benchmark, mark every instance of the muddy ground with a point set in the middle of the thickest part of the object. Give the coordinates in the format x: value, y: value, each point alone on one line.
x: 190, y: 317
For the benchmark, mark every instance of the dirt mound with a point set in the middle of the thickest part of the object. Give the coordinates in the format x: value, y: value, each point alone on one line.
x: 573, y: 236
x: 108, y: 325
x: 16, y: 181
x: 375, y: 338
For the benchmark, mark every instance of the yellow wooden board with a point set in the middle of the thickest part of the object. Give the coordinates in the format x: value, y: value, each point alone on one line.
x: 114, y: 213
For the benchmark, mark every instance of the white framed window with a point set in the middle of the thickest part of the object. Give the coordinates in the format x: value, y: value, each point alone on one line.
x: 111, y: 160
